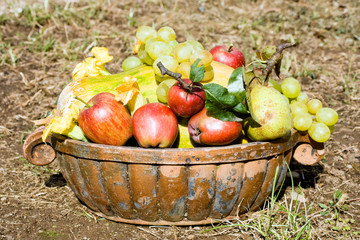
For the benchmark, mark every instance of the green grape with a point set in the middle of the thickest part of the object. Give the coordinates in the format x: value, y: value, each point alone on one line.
x: 208, y: 74
x: 169, y: 62
x: 205, y: 57
x: 327, y: 115
x: 290, y: 87
x: 173, y: 44
x: 160, y: 79
x: 166, y: 34
x: 314, y: 105
x: 131, y: 62
x: 183, y: 51
x: 303, y: 97
x: 149, y: 42
x: 302, y: 121
x: 143, y: 56
x: 196, y: 45
x: 275, y: 84
x: 157, y: 49
x: 297, y: 107
x: 163, y: 89
x: 144, y: 33
x: 319, y: 132
x: 184, y: 69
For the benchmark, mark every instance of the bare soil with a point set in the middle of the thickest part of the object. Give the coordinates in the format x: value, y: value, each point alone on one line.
x: 38, y: 52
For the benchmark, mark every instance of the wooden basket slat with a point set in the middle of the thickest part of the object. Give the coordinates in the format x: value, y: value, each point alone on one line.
x: 143, y: 184
x: 173, y: 191
x: 201, y: 191
x: 116, y: 182
x: 229, y: 178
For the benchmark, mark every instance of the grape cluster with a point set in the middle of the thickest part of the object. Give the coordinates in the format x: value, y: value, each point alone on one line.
x: 308, y: 114
x: 161, y: 45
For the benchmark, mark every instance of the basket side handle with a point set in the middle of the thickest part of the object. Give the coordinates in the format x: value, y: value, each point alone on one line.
x: 307, y: 151
x: 36, y: 151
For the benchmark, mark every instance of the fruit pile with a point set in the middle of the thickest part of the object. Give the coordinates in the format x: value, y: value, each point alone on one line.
x: 175, y: 94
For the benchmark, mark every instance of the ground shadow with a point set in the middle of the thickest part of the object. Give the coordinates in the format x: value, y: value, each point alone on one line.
x: 56, y: 180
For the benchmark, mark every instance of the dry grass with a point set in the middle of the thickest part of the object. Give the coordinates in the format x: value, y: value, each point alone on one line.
x: 39, y: 47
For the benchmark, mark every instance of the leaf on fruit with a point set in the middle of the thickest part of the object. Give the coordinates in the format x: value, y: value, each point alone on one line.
x: 236, y: 85
x: 222, y: 114
x: 196, y: 72
x: 222, y: 105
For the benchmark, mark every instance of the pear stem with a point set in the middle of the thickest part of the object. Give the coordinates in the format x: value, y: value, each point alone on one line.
x: 81, y: 100
x: 274, y: 59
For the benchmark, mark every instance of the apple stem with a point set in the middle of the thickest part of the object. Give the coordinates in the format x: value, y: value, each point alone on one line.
x: 177, y: 76
x: 86, y: 104
x: 230, y: 48
x: 147, y: 100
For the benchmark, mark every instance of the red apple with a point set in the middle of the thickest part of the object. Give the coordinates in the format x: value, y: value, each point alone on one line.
x: 105, y: 120
x: 155, y: 125
x: 184, y: 101
x: 207, y: 130
x: 228, y: 55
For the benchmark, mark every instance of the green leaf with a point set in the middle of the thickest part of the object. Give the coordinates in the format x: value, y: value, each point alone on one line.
x: 337, y: 195
x: 197, y: 73
x: 218, y: 93
x: 236, y: 84
x: 222, y: 114
x: 241, y: 108
x: 222, y: 105
x: 324, y: 213
x: 323, y: 205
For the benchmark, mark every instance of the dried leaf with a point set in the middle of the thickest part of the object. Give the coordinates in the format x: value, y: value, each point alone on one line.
x: 92, y: 67
x: 62, y: 125
x: 127, y: 90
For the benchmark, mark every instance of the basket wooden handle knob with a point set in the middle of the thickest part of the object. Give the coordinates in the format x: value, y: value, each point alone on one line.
x: 308, y: 152
x: 36, y: 151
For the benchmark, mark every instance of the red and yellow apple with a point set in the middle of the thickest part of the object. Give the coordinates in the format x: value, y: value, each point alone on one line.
x: 230, y: 56
x: 207, y: 130
x: 155, y: 125
x: 105, y: 120
x: 186, y: 102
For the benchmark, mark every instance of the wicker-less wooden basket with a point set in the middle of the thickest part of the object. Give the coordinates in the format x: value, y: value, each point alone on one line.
x: 172, y: 186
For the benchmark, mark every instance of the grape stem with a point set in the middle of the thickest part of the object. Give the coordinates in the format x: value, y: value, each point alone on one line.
x: 177, y: 76
x: 274, y: 59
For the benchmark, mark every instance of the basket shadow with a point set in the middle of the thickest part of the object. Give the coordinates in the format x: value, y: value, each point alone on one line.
x: 56, y: 180
x: 300, y: 176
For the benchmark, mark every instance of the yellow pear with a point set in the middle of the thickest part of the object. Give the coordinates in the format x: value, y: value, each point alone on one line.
x: 270, y: 114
